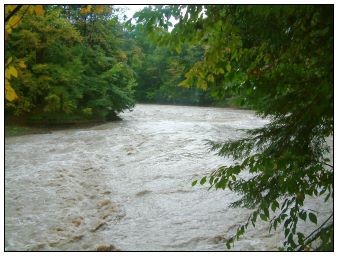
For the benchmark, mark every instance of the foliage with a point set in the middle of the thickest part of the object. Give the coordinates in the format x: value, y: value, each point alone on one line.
x: 160, y: 71
x: 67, y: 58
x: 107, y: 78
x: 13, y: 16
x: 279, y: 60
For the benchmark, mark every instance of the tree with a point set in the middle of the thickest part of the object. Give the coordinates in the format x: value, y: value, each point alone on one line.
x: 69, y: 63
x: 13, y: 17
x: 51, y: 75
x: 279, y: 60
x: 108, y: 81
x: 160, y: 70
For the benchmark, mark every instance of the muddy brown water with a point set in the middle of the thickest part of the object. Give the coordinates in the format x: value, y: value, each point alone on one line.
x: 128, y: 184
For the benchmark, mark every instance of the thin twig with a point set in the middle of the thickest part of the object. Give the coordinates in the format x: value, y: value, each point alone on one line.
x: 313, y: 210
x: 302, y: 246
x: 331, y: 166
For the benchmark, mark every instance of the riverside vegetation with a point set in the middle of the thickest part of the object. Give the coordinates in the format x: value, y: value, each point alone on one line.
x: 66, y: 64
x: 74, y: 62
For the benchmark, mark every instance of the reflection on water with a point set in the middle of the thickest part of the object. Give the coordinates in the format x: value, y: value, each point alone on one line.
x: 128, y: 184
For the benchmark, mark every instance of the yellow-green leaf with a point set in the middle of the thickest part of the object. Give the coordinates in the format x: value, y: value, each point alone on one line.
x: 8, y: 29
x: 228, y: 67
x: 9, y: 61
x: 10, y: 7
x: 22, y: 64
x: 14, y: 21
x: 99, y: 9
x: 10, y: 94
x: 220, y: 71
x: 185, y: 83
x: 211, y: 78
x: 11, y: 71
x: 202, y: 84
x: 86, y: 9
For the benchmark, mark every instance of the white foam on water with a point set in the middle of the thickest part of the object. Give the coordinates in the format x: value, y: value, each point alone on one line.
x: 128, y: 184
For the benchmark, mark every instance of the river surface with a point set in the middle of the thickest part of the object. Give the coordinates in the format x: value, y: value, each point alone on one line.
x: 128, y: 184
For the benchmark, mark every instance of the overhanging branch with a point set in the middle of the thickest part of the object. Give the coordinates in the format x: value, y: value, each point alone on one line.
x: 16, y: 9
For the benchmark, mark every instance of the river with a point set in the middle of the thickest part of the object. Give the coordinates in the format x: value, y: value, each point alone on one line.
x: 128, y: 184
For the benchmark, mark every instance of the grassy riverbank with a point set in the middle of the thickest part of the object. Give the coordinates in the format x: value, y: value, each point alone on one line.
x: 19, y: 130
x: 40, y: 123
x: 14, y: 130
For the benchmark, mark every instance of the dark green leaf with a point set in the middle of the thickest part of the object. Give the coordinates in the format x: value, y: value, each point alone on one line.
x: 274, y: 206
x: 263, y: 217
x: 266, y: 211
x: 203, y: 180
x: 211, y: 180
x: 313, y: 217
x: 300, y: 238
x: 302, y: 215
x: 287, y: 222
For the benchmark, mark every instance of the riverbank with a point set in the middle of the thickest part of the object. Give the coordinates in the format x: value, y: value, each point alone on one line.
x: 40, y: 124
x: 13, y: 129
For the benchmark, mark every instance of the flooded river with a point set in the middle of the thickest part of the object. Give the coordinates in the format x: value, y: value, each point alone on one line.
x: 128, y: 184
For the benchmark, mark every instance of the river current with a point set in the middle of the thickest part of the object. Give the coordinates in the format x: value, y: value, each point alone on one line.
x: 128, y: 184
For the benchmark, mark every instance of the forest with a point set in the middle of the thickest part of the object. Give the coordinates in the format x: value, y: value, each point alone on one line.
x: 71, y: 63
x: 74, y: 64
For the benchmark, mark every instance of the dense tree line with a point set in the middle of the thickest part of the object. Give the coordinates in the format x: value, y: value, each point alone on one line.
x: 78, y: 62
x: 163, y: 69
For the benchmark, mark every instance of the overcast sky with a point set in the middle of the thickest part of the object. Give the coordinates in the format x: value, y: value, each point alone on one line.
x: 131, y: 9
